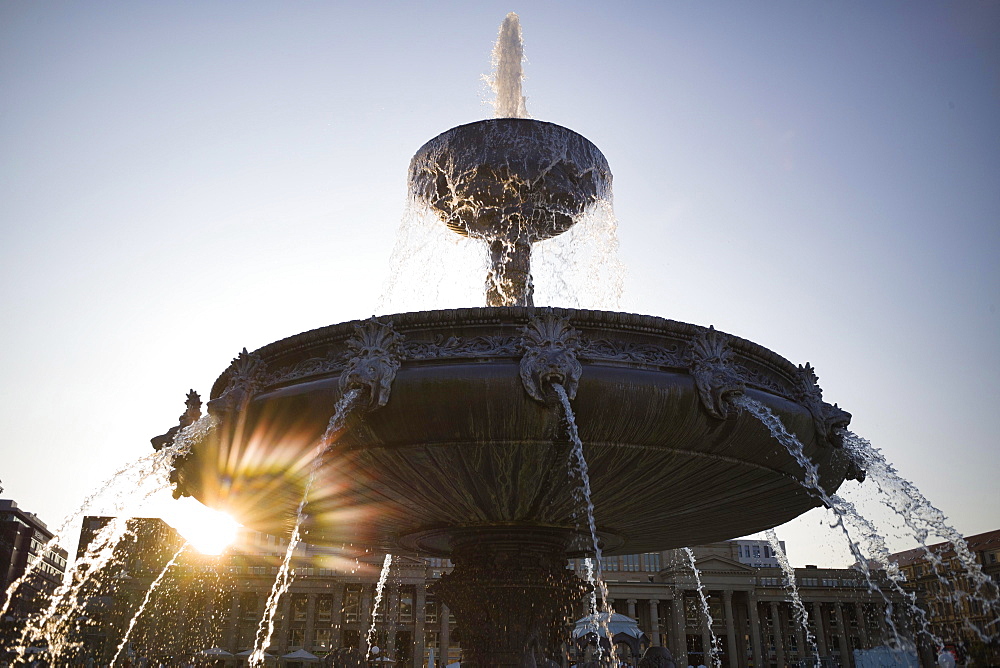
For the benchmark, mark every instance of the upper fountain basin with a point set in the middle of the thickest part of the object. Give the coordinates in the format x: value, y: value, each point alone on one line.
x: 506, y: 176
x: 467, y: 440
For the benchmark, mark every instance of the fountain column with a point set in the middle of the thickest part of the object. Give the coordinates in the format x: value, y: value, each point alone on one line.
x: 755, y: 629
x: 727, y: 604
x: 776, y: 630
x: 654, y: 621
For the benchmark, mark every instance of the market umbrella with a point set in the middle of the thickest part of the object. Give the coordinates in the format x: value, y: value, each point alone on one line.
x: 217, y: 652
x: 614, y: 625
x: 299, y: 655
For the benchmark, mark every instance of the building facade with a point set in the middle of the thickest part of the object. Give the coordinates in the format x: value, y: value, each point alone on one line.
x: 23, y: 539
x: 203, y: 602
x: 952, y: 603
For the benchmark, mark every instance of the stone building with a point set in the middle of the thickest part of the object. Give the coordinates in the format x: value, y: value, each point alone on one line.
x: 949, y: 599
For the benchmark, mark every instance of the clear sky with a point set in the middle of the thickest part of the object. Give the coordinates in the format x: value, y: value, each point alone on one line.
x: 179, y: 180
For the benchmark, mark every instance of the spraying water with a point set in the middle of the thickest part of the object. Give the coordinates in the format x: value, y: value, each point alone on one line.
x: 145, y: 602
x: 801, y: 616
x: 716, y: 649
x: 598, y: 618
x: 285, y: 574
x: 379, y: 588
x: 924, y: 520
x: 508, y: 72
x: 845, y: 513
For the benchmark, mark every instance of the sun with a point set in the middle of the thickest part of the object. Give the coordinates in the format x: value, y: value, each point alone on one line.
x: 209, y: 531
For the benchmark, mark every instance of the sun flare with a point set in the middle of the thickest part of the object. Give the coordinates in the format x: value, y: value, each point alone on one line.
x: 209, y: 531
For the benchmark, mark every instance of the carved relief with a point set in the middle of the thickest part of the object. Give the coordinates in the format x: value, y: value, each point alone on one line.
x: 247, y: 375
x: 375, y: 354
x: 715, y: 375
x: 550, y: 345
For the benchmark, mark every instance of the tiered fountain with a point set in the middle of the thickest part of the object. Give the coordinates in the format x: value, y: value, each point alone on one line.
x: 456, y: 445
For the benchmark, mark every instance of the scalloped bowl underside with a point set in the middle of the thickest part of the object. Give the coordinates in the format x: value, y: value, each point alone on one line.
x: 461, y: 445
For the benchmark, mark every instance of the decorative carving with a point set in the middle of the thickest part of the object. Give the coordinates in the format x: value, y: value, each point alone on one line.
x: 247, y: 375
x: 314, y: 366
x: 714, y: 374
x: 375, y: 355
x: 550, y: 345
x: 829, y: 420
x: 454, y: 346
x: 192, y: 411
x: 625, y: 351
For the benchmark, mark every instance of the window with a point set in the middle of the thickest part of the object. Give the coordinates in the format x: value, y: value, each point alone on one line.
x: 324, y: 637
x: 406, y: 604
x: 324, y: 609
x: 296, y: 637
x: 431, y: 610
x: 756, y: 551
x: 352, y: 604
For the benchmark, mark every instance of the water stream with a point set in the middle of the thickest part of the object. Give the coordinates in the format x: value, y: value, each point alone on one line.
x: 379, y: 588
x: 924, y: 520
x: 599, y: 618
x: 845, y: 513
x: 283, y: 581
x: 799, y: 608
x: 145, y: 602
x: 716, y: 650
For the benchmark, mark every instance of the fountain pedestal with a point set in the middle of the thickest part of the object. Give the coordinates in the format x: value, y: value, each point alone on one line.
x: 512, y: 593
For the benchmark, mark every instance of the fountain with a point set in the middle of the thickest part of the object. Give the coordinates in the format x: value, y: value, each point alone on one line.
x: 454, y: 444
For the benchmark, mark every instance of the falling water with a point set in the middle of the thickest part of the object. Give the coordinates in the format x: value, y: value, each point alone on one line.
x: 801, y: 616
x: 379, y: 587
x: 593, y: 567
x: 844, y: 512
x: 716, y: 649
x: 285, y: 574
x: 924, y: 520
x: 145, y: 601
x: 508, y: 73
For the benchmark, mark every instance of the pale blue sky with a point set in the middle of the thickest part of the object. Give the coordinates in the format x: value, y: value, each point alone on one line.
x: 182, y: 179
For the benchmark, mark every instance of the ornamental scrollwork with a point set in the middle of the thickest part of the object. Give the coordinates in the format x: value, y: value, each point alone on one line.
x: 247, y: 375
x: 714, y: 373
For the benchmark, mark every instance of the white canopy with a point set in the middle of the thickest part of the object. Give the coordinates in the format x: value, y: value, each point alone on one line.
x: 215, y: 651
x: 606, y: 624
x: 248, y: 652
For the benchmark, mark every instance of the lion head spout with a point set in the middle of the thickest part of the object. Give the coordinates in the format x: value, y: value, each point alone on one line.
x: 375, y: 355
x: 550, y: 345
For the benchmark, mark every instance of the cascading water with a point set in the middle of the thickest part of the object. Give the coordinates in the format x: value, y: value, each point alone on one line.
x: 924, y: 520
x: 285, y: 574
x: 379, y: 588
x: 801, y: 616
x: 716, y: 650
x: 844, y: 512
x: 145, y: 602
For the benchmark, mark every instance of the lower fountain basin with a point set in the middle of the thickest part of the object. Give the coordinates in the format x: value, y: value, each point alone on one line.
x: 461, y: 446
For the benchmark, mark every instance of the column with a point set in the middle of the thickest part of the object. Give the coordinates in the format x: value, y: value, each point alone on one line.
x: 755, y: 630
x: 679, y: 631
x: 391, y: 615
x: 779, y: 645
x: 308, y: 640
x: 337, y: 615
x: 232, y: 621
x: 845, y: 653
x: 654, y: 621
x: 444, y: 638
x: 820, y: 630
x: 727, y: 605
x: 631, y: 607
x: 419, y: 620
x: 800, y: 641
x: 859, y: 613
x: 286, y: 618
